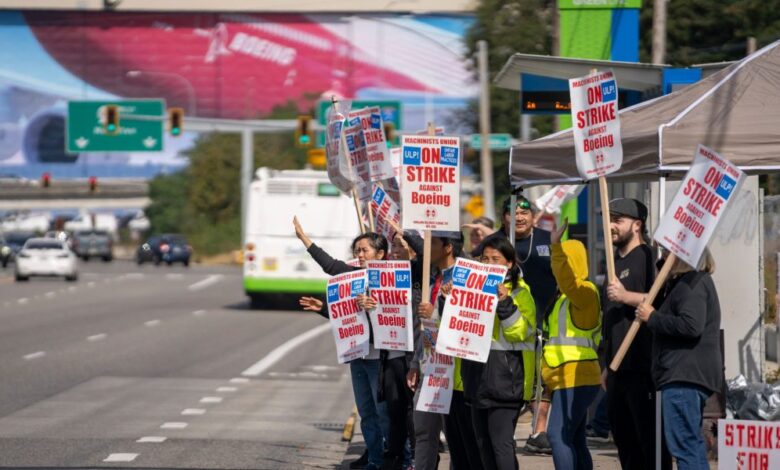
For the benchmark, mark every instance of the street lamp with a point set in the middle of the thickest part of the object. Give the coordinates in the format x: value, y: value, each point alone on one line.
x: 191, y: 108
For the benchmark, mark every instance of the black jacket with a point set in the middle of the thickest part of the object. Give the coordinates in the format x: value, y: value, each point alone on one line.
x: 686, y: 334
x: 498, y: 383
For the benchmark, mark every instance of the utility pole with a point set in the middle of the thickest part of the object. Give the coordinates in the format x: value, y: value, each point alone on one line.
x: 486, y: 160
x: 659, y: 31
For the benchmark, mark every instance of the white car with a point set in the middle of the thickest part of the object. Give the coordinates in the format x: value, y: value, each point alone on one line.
x: 46, y: 257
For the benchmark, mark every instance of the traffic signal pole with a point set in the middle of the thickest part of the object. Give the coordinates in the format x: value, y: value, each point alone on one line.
x: 486, y: 160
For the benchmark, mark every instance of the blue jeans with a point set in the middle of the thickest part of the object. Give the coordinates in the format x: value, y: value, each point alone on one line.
x: 566, y: 427
x: 682, y: 405
x: 374, y: 422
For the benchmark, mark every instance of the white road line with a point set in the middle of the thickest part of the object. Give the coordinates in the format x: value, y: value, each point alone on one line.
x: 97, y: 337
x: 152, y: 323
x: 50, y: 294
x: 239, y: 380
x: 174, y: 276
x: 72, y: 289
x: 211, y: 400
x: 35, y: 355
x: 193, y: 411
x: 120, y: 458
x: 174, y: 425
x: 277, y: 354
x: 202, y: 284
x: 156, y: 439
x: 91, y: 284
x: 23, y: 300
x: 199, y: 313
x: 226, y: 389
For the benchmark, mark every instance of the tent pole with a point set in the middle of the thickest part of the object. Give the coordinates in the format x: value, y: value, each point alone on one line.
x: 658, y: 415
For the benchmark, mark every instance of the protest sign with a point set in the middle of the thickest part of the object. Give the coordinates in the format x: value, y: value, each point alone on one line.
x: 337, y: 165
x: 596, y: 124
x: 347, y: 320
x: 358, y: 157
x: 379, y: 161
x: 390, y: 284
x: 748, y: 445
x: 466, y: 328
x: 386, y: 212
x: 436, y: 385
x: 699, y: 205
x: 689, y: 221
x: 551, y: 201
x: 430, y: 183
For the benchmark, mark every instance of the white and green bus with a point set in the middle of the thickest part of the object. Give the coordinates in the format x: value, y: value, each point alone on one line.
x: 275, y: 261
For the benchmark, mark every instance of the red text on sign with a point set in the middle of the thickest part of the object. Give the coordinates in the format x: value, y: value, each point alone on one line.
x: 467, y: 326
x: 598, y: 115
x: 688, y: 221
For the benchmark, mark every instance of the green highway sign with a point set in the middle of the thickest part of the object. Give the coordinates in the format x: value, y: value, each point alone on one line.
x: 391, y: 112
x: 140, y: 126
x: 495, y: 142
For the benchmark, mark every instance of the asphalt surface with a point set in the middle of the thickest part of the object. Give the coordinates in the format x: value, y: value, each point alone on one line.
x: 159, y: 355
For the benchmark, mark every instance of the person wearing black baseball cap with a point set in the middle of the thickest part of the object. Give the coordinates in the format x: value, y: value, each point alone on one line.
x: 630, y: 390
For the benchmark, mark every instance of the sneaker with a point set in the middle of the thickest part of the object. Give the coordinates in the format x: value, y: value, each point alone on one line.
x: 361, y: 462
x: 596, y: 436
x: 538, y: 444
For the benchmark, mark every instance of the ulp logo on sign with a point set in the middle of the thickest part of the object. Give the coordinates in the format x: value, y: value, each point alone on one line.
x: 609, y: 91
x: 449, y: 156
x: 379, y: 196
x: 459, y: 276
x: 351, y: 142
x: 491, y: 284
x: 725, y: 187
x: 403, y: 279
x: 376, y: 121
x: 333, y: 293
x: 412, y: 156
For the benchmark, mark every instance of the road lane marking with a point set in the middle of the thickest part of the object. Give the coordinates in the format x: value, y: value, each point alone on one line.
x: 91, y: 284
x: 120, y: 458
x: 226, y: 389
x: 174, y: 425
x: 174, y: 276
x: 152, y: 323
x: 23, y: 300
x: 239, y: 380
x: 193, y: 411
x: 277, y: 354
x: 199, y: 313
x: 50, y: 294
x: 97, y: 337
x: 156, y: 439
x: 202, y: 284
x: 211, y: 400
x: 72, y: 289
x: 35, y: 355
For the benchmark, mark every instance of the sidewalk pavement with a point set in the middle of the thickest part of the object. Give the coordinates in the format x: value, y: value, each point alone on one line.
x: 604, y: 455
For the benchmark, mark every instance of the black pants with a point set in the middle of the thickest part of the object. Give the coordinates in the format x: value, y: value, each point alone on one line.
x: 397, y: 396
x: 459, y: 429
x: 494, y: 429
x: 631, y: 412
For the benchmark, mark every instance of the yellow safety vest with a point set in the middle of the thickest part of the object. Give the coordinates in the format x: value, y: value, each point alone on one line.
x: 522, y: 324
x: 566, y: 342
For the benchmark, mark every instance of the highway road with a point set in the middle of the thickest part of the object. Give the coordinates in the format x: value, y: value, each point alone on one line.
x: 159, y: 367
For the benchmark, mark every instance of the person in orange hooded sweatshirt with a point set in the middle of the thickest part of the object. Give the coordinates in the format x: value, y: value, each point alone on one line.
x: 570, y: 366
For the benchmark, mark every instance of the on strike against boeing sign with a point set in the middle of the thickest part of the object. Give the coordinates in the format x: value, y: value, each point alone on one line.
x: 430, y: 188
x: 698, y: 206
x: 347, y: 320
x: 596, y: 125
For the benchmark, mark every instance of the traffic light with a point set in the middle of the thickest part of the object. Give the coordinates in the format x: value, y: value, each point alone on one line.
x: 46, y: 180
x: 389, y: 133
x: 111, y: 119
x: 303, y: 133
x: 175, y: 121
x: 92, y: 184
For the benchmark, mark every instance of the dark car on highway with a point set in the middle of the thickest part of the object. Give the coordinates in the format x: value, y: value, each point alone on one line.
x: 15, y: 241
x: 167, y: 248
x: 93, y: 243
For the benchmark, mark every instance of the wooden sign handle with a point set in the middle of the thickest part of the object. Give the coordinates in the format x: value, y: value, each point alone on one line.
x: 608, y: 250
x: 659, y: 282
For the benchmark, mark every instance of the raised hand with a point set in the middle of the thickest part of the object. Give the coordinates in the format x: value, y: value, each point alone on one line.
x: 557, y: 232
x: 311, y: 304
x: 300, y: 233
